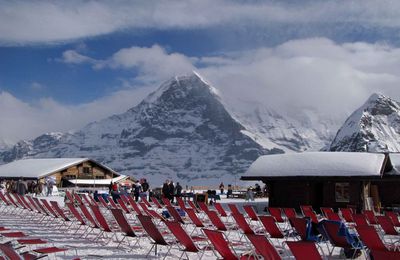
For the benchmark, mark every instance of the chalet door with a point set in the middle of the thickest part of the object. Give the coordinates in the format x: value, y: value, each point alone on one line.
x: 318, y: 196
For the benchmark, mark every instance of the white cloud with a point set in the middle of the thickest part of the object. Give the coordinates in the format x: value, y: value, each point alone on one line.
x: 25, y: 121
x: 153, y: 64
x: 24, y: 22
x: 319, y: 74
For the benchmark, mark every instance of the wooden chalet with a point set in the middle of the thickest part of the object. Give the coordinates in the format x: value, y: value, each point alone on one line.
x: 67, y: 172
x: 329, y: 179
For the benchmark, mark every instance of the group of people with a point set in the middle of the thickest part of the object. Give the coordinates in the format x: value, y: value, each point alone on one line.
x: 22, y: 187
x: 169, y: 190
x: 140, y: 188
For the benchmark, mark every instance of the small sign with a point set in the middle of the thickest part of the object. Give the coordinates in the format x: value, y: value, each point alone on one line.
x: 342, y: 192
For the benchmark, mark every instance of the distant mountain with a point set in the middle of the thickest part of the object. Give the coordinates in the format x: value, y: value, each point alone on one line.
x: 375, y: 126
x: 181, y: 131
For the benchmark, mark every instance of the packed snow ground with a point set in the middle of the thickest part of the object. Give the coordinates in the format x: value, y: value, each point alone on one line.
x: 86, y: 248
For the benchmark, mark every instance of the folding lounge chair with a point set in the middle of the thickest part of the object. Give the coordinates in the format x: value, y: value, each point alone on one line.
x: 186, y: 241
x: 250, y: 212
x: 234, y: 209
x: 145, y: 201
x: 394, y: 217
x: 123, y: 206
x: 333, y: 216
x: 360, y: 220
x: 181, y: 203
x: 156, y: 202
x: 103, y: 202
x: 370, y: 215
x: 155, y: 235
x: 203, y: 206
x: 347, y: 214
x: 166, y: 201
x: 325, y: 211
x: 243, y: 225
x: 78, y: 198
x: 387, y: 225
x: 127, y: 229
x: 220, y: 210
x: 304, y: 250
x: 385, y: 255
x: 270, y: 226
x: 339, y: 236
x: 103, y: 225
x: 222, y: 246
x: 300, y: 225
x: 134, y: 205
x: 175, y: 215
x: 305, y: 208
x: 290, y: 213
x: 193, y: 206
x: 217, y: 222
x: 371, y: 239
x: 277, y: 214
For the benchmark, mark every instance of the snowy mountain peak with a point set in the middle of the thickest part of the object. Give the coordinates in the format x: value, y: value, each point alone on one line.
x: 375, y: 125
x: 181, y: 131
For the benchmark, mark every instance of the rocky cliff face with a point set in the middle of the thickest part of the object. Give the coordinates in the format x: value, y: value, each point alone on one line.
x: 375, y: 126
x: 181, y: 131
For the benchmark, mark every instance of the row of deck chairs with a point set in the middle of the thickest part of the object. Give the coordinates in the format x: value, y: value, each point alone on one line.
x: 14, y: 243
x: 375, y: 234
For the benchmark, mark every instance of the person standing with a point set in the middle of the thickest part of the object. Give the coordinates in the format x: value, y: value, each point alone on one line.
x: 21, y: 187
x: 165, y: 190
x: 221, y: 187
x: 171, y: 190
x: 178, y: 190
x: 137, y: 190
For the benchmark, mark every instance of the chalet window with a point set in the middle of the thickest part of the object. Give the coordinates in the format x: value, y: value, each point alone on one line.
x: 70, y: 176
x: 99, y: 177
x: 342, y: 192
x: 86, y: 170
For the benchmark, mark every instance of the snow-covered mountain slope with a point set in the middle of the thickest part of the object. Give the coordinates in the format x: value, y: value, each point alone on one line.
x: 375, y: 125
x: 181, y: 131
x: 308, y: 131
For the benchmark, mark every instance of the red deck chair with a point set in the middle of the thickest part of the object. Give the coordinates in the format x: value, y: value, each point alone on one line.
x: 333, y: 216
x: 78, y: 198
x: 123, y: 206
x: 21, y: 202
x: 216, y: 221
x: 234, y: 209
x: 331, y: 229
x: 87, y: 200
x: 387, y: 225
x: 311, y: 215
x: 112, y: 203
x: 221, y: 245
x: 220, y: 210
x: 127, y: 229
x: 300, y: 225
x: 194, y: 218
x: 264, y: 247
x: 156, y: 202
x: 347, y: 214
x: 394, y: 217
x: 360, y: 220
x: 69, y: 196
x: 102, y: 224
x: 305, y: 208
x: 46, y: 215
x: 180, y: 202
x: 290, y: 213
x: 203, y: 206
x: 154, y: 234
x: 134, y: 205
x: 61, y: 213
x: 371, y: 239
x: 145, y: 201
x: 166, y: 201
x: 186, y: 241
x: 242, y: 224
x: 193, y: 206
x: 304, y: 250
x: 270, y: 226
x: 325, y: 211
x: 103, y: 202
x: 276, y: 213
x: 88, y: 216
x: 250, y: 212
x: 370, y: 215
x: 385, y: 255
x: 78, y: 217
x: 175, y: 215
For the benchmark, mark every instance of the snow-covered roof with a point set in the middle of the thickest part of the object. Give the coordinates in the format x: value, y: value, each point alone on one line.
x: 98, y: 181
x: 39, y: 168
x: 317, y: 164
x: 395, y: 159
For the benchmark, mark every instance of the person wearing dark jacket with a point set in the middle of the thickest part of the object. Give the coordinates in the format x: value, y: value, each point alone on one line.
x: 21, y: 187
x: 178, y: 190
x: 171, y: 190
x: 165, y: 190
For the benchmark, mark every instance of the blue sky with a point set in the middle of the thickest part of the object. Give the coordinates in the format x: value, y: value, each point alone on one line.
x: 64, y: 64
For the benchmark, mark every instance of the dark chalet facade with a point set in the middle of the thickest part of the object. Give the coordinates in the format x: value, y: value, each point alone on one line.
x: 329, y: 179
